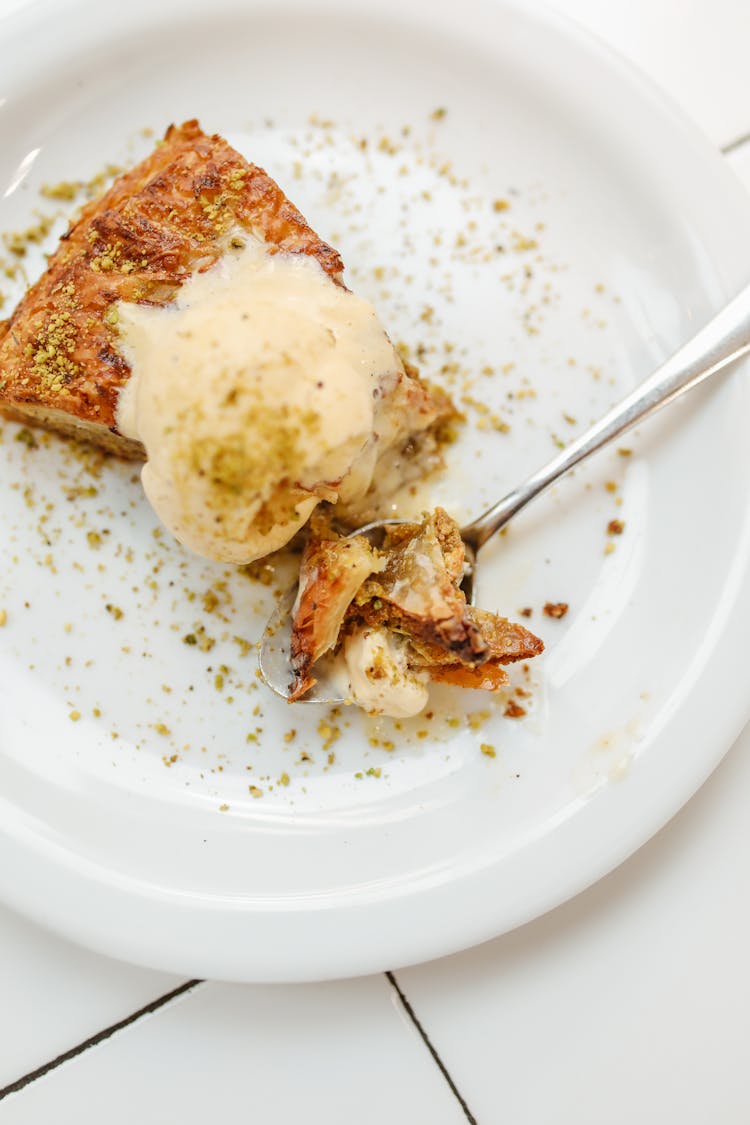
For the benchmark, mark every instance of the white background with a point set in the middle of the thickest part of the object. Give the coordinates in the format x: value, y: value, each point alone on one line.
x: 627, y: 1004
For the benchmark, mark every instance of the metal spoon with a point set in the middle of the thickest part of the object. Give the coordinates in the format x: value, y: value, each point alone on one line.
x: 724, y: 339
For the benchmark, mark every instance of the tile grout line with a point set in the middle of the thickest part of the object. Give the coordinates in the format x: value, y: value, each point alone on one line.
x: 430, y: 1047
x: 100, y: 1037
x: 735, y: 145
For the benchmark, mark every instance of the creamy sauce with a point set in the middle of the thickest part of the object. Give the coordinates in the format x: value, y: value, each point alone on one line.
x: 379, y: 679
x: 257, y: 393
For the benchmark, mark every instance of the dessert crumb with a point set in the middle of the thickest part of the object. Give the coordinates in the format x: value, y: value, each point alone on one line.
x: 555, y: 609
x: 514, y: 710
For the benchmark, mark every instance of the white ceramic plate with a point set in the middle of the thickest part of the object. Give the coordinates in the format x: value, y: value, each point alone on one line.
x: 511, y: 197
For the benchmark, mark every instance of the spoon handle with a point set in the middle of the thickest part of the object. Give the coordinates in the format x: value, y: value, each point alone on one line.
x: 723, y: 340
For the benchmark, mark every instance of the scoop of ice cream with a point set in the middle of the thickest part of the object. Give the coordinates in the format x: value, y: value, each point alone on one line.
x: 255, y: 394
x: 379, y: 677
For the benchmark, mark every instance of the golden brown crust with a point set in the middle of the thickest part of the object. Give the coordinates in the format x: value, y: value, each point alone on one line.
x: 167, y: 218
x: 417, y: 593
x: 506, y: 641
x: 484, y: 677
x: 51, y: 419
x: 442, y: 531
x: 331, y: 572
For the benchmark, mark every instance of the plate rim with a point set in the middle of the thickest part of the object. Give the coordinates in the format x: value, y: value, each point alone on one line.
x: 399, y: 944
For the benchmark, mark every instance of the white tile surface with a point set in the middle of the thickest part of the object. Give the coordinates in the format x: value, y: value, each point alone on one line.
x: 54, y: 995
x: 696, y: 50
x: 629, y: 1003
x: 340, y: 1053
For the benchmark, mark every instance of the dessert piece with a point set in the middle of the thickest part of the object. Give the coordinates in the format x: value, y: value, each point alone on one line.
x: 191, y: 317
x: 398, y: 618
x: 332, y: 572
